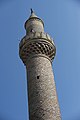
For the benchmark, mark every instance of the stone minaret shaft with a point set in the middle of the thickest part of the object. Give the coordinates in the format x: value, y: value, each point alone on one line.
x: 37, y: 50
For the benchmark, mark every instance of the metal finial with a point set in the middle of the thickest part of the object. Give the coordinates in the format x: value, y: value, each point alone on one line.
x: 32, y: 11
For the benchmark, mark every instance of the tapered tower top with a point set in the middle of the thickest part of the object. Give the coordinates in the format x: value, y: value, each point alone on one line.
x: 33, y: 17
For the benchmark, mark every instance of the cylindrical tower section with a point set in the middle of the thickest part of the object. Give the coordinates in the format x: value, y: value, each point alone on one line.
x: 43, y: 103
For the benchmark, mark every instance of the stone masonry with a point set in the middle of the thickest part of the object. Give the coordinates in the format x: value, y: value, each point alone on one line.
x: 37, y: 50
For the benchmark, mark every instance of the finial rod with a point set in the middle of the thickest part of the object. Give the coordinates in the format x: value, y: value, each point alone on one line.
x: 32, y: 11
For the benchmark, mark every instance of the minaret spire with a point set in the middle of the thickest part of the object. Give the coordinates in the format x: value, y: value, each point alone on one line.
x: 37, y: 51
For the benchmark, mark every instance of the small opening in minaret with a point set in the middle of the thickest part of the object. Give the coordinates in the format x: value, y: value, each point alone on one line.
x: 38, y: 77
x: 32, y: 30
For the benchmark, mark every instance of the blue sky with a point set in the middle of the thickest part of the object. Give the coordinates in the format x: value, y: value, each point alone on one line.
x: 62, y: 22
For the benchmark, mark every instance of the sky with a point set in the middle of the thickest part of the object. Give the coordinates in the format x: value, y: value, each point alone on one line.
x: 62, y: 22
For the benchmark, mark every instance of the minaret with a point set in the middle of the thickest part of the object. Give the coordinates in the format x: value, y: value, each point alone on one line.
x: 37, y: 51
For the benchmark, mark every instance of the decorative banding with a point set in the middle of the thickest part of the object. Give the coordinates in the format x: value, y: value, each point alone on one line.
x: 34, y: 36
x: 37, y: 47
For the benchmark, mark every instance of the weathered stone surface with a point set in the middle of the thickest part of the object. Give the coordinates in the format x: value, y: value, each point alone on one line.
x: 37, y: 50
x: 43, y: 103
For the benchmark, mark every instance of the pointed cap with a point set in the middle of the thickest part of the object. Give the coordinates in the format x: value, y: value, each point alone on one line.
x: 33, y: 16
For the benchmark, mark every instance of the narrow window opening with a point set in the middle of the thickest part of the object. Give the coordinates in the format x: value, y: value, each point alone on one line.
x: 38, y: 77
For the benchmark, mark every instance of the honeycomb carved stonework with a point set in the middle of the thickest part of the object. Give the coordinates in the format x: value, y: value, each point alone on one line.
x: 36, y: 43
x: 37, y: 47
